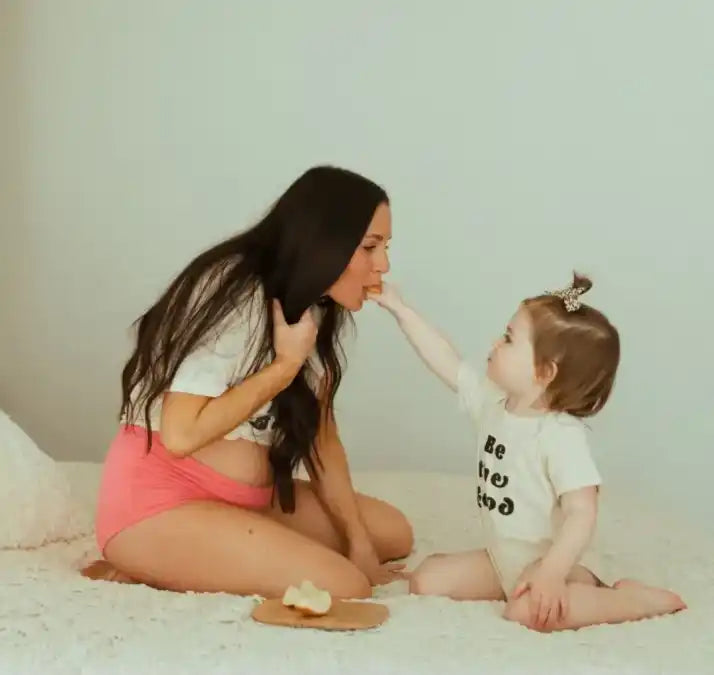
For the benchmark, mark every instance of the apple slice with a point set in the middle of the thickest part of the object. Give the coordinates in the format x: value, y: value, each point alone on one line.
x: 308, y: 599
x: 375, y: 288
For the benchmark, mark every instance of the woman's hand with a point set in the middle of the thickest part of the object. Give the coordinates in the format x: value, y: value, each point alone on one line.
x: 548, y: 595
x: 293, y: 343
x: 389, y: 298
x: 363, y: 555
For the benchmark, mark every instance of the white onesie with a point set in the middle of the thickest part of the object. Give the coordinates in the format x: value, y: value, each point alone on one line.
x: 524, y: 465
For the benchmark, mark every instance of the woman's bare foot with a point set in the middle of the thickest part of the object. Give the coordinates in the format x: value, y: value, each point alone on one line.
x: 655, y: 601
x: 105, y: 571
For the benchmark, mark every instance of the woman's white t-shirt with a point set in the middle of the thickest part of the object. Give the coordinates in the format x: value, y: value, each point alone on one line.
x: 222, y: 360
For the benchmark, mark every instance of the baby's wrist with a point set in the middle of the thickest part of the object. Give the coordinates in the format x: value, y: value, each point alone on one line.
x: 555, y: 567
x: 401, y: 310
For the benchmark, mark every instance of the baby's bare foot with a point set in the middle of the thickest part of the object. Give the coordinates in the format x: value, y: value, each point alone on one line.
x: 655, y: 601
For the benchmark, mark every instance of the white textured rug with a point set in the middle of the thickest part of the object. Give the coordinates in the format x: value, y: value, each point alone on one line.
x: 54, y: 621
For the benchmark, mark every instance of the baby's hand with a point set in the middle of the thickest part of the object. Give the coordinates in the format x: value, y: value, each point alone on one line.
x: 548, y: 595
x: 389, y: 298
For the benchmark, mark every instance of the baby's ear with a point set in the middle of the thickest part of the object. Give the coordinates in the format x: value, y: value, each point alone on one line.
x: 546, y: 372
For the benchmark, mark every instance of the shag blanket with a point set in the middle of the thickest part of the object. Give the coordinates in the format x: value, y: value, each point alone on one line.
x: 52, y: 620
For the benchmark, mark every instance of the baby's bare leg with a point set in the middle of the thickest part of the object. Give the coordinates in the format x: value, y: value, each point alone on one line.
x: 590, y: 605
x: 460, y: 576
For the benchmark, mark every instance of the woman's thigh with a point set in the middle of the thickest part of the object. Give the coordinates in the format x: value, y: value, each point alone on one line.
x: 387, y: 526
x: 215, y: 547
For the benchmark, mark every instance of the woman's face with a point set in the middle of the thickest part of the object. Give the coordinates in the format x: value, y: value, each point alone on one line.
x: 369, y: 262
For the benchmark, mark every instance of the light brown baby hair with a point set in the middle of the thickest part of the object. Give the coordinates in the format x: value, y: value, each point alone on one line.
x: 581, y: 342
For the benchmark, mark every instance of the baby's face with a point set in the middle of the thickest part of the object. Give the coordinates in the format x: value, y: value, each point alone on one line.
x: 511, y: 364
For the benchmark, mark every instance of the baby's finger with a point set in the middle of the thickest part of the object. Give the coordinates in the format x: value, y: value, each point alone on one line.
x: 551, y: 617
x: 535, y: 603
x: 564, y: 608
x: 544, y: 612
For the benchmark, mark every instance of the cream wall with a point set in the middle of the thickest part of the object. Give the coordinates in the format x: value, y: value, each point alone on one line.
x: 517, y: 140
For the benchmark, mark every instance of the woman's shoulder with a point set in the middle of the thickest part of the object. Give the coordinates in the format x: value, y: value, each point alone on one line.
x: 243, y: 324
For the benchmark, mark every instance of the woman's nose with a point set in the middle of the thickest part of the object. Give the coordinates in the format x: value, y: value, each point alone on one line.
x: 381, y: 262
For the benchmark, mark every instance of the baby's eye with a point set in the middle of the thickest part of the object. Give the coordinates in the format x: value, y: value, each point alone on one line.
x: 369, y: 247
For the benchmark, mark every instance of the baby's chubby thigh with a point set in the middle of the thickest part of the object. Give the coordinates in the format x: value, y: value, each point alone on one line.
x: 468, y: 575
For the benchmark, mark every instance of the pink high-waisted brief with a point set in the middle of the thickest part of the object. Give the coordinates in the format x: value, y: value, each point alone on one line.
x: 136, y: 485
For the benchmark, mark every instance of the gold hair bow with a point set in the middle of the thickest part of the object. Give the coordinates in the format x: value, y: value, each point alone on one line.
x: 570, y: 296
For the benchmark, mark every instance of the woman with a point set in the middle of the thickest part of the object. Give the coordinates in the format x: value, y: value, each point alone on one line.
x: 230, y: 388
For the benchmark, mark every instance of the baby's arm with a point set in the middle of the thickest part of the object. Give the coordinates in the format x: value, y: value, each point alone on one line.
x: 431, y: 346
x: 548, y: 601
x: 575, y: 480
x: 580, y: 516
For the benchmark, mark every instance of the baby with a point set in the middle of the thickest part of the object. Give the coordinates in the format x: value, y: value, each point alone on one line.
x: 537, y: 485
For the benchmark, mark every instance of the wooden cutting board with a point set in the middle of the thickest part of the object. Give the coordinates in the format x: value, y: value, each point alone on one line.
x: 342, y: 615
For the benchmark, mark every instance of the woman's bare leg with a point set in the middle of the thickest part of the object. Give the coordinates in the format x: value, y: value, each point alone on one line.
x: 101, y: 570
x: 591, y: 605
x: 388, y: 528
x: 460, y: 576
x: 215, y: 547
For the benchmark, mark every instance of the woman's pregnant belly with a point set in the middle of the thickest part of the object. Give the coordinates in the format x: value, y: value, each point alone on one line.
x: 241, y: 460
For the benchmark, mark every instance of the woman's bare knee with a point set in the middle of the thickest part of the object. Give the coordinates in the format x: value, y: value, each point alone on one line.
x: 354, y: 585
x: 400, y: 542
x: 388, y: 528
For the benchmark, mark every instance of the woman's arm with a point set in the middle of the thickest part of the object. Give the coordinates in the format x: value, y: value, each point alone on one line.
x: 333, y: 486
x: 432, y: 347
x: 191, y: 421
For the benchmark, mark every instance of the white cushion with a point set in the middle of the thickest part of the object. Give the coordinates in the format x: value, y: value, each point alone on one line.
x: 36, y: 501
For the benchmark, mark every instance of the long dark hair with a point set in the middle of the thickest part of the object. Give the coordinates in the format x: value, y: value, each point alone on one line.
x: 295, y: 253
